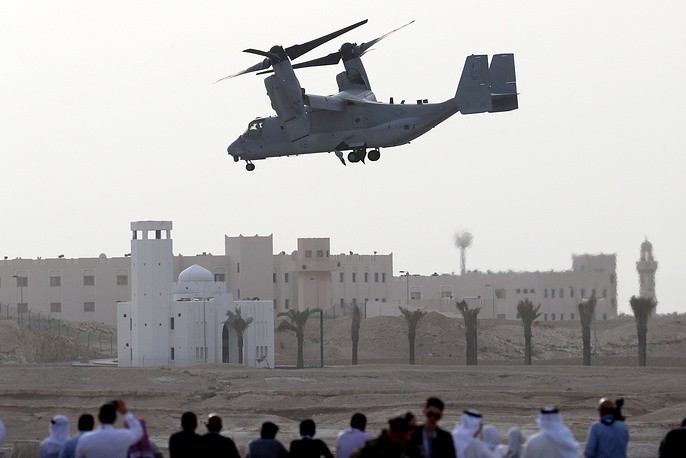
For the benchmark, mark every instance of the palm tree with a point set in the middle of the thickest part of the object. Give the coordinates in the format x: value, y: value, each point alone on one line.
x: 295, y: 322
x: 239, y: 324
x: 528, y: 314
x: 412, y: 317
x: 471, y: 324
x: 643, y: 307
x: 586, y: 315
x: 355, y: 330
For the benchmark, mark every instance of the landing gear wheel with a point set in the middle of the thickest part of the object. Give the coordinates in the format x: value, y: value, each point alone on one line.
x: 249, y: 166
x: 236, y: 159
x: 352, y: 157
x: 374, y: 155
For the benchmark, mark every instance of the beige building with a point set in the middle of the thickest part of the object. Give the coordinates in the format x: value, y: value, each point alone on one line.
x: 88, y: 289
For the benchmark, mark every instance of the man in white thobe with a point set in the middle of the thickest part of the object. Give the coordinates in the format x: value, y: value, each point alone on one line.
x: 467, y: 444
x: 554, y: 440
x: 106, y: 441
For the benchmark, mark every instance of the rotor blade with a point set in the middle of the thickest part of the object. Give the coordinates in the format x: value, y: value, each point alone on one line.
x: 331, y: 59
x: 255, y: 68
x: 296, y: 51
x: 364, y: 47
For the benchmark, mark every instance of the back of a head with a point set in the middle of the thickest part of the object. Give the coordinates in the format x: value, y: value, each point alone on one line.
x: 268, y: 430
x: 189, y: 422
x: 358, y: 421
x: 307, y: 428
x: 683, y: 423
x: 435, y: 402
x: 398, y: 425
x: 214, y: 423
x: 86, y: 422
x: 108, y: 414
x: 606, y: 407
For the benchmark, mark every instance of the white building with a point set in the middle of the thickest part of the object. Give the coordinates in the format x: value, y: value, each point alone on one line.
x: 183, y: 323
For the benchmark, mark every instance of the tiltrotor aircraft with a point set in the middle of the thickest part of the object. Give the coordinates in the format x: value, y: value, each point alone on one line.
x: 353, y: 119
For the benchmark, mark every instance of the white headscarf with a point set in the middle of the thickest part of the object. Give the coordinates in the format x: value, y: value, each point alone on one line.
x: 463, y: 434
x: 514, y: 442
x: 550, y: 423
x: 59, y: 433
x: 491, y: 437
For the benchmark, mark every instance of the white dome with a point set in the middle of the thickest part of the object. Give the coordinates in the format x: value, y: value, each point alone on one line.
x: 195, y: 273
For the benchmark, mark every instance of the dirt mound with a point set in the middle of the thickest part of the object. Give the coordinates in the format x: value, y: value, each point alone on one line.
x: 20, y: 345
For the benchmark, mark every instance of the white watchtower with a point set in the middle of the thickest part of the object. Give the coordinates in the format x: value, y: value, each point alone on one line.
x: 646, y: 267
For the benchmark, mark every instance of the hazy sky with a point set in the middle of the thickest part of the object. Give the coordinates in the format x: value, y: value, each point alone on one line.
x: 108, y: 115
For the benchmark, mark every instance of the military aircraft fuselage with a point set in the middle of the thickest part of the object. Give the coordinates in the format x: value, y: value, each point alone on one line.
x: 353, y: 126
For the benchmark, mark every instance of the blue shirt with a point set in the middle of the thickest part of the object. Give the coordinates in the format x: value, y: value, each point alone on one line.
x: 607, y: 438
x: 69, y: 447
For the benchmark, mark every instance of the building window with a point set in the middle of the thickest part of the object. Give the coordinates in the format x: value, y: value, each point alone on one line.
x: 532, y: 291
x: 571, y: 293
x: 545, y: 292
x: 55, y: 307
x: 308, y: 253
x: 171, y: 354
x: 320, y: 253
x: 562, y: 316
x: 593, y: 292
x: 446, y: 295
x: 220, y: 278
x: 500, y: 293
x: 573, y: 316
x: 342, y: 302
x: 354, y: 277
x: 416, y: 295
x: 354, y: 301
x: 286, y: 304
x: 22, y: 282
x: 545, y: 317
x: 552, y: 317
x: 285, y: 277
x: 583, y: 293
x: 612, y: 279
x: 55, y: 281
x: 604, y: 292
x: 122, y: 280
x: 525, y: 291
x: 562, y: 293
x: 376, y: 277
x: 238, y: 267
x: 383, y: 277
x: 274, y: 277
x: 341, y: 277
x: 171, y: 323
x: 89, y: 306
x: 519, y: 290
x: 366, y: 277
x: 89, y: 280
x: 552, y: 292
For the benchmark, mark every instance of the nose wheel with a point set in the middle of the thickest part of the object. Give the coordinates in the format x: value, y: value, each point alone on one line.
x: 249, y: 166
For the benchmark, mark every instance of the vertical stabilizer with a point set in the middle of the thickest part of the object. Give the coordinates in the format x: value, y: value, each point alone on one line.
x: 474, y: 93
x: 503, y: 83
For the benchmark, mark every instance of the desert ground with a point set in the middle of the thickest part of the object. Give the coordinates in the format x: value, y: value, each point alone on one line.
x: 381, y: 386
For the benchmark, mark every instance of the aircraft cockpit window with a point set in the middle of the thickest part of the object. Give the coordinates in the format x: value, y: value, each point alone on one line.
x: 255, y: 129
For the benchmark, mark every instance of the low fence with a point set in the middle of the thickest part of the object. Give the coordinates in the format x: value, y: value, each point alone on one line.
x: 92, y: 335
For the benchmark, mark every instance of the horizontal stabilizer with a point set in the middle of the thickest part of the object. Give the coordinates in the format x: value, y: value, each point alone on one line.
x: 503, y: 83
x: 474, y: 93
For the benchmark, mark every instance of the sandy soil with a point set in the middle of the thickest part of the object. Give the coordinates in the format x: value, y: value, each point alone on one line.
x: 507, y: 395
x: 382, y: 386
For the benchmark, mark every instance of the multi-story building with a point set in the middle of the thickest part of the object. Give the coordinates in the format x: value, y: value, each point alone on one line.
x: 88, y: 289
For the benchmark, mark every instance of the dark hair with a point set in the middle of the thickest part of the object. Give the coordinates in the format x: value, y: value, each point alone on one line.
x: 189, y: 421
x: 307, y: 428
x: 409, y: 416
x: 683, y: 422
x: 358, y: 421
x: 86, y: 422
x: 268, y: 430
x: 398, y: 425
x: 108, y: 414
x: 435, y: 402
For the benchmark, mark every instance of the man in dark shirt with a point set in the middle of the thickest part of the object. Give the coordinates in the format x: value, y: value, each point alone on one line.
x: 185, y: 443
x: 674, y: 443
x: 214, y: 444
x: 434, y: 441
x: 390, y: 444
x: 267, y: 446
x: 308, y: 446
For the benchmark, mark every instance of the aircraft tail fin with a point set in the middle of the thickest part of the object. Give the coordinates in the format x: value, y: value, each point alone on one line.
x: 503, y: 83
x: 473, y: 92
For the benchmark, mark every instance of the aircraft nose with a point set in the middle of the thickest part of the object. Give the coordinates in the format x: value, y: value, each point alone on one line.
x: 234, y: 146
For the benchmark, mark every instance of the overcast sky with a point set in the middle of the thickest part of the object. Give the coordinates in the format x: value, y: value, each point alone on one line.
x: 108, y: 115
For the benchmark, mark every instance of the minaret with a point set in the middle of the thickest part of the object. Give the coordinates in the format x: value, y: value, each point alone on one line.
x: 646, y: 267
x: 151, y: 291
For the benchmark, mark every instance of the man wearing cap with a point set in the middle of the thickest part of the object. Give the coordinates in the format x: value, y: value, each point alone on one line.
x: 429, y: 437
x: 106, y: 441
x: 609, y: 437
x: 467, y: 444
x: 214, y: 444
x: 390, y: 444
x: 554, y: 440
